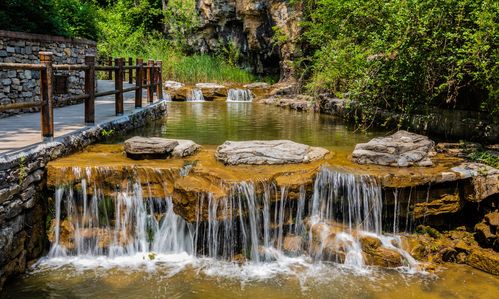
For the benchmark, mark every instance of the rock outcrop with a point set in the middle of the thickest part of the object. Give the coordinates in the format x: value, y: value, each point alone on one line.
x: 401, y: 149
x: 250, y: 24
x: 212, y: 90
x: 258, y: 152
x: 139, y: 148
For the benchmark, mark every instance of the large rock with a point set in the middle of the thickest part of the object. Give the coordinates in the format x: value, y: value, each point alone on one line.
x: 251, y: 25
x: 184, y: 148
x: 257, y: 85
x: 139, y: 148
x: 485, y: 180
x: 485, y: 260
x: 400, y: 149
x: 212, y: 90
x: 257, y: 152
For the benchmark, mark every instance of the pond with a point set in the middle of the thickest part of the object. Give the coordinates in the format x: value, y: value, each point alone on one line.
x: 182, y: 274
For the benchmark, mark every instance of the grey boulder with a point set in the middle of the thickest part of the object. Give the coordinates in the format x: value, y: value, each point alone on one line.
x: 259, y: 152
x: 139, y: 148
x: 401, y: 149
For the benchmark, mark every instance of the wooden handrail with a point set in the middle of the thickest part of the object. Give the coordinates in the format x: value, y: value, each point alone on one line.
x: 151, y: 72
x: 21, y: 105
x: 21, y: 66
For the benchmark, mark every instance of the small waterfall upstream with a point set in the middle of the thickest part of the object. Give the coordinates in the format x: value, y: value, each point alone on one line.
x: 239, y: 95
x: 256, y: 222
x: 196, y: 95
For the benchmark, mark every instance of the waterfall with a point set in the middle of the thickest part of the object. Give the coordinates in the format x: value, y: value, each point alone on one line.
x: 196, y: 95
x: 124, y: 225
x: 239, y: 95
x: 256, y: 222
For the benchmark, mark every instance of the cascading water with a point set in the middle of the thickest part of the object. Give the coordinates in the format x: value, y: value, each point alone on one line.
x: 196, y: 95
x: 255, y: 222
x: 239, y: 95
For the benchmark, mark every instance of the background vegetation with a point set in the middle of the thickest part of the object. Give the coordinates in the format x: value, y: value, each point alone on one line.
x: 128, y: 28
x: 406, y: 55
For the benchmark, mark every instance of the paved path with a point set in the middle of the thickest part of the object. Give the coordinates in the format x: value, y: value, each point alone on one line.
x: 23, y: 130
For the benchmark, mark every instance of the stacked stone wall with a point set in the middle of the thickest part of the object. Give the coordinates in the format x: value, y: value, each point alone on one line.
x: 17, y: 86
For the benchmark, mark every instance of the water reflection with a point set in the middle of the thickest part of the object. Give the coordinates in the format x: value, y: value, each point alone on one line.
x: 212, y: 123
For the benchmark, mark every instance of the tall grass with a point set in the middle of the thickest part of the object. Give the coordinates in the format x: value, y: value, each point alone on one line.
x: 184, y: 68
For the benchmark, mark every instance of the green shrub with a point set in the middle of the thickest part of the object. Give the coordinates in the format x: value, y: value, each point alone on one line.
x: 407, y: 55
x: 70, y: 18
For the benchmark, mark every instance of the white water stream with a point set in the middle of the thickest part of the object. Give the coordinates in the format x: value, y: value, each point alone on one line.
x: 247, y: 226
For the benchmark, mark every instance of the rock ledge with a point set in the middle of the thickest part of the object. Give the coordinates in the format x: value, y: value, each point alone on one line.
x: 258, y: 152
x: 401, y: 149
x: 139, y: 148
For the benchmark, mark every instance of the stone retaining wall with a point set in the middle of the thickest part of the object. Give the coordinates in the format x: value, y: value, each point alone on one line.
x: 23, y: 85
x: 23, y: 199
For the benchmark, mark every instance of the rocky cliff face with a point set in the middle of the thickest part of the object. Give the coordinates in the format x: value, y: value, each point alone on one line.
x: 252, y: 24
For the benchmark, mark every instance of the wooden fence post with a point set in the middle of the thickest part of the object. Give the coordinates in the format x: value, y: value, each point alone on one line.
x: 90, y: 90
x: 110, y: 73
x: 118, y: 85
x: 130, y: 71
x: 138, y: 83
x: 46, y: 93
x: 150, y: 86
x: 159, y: 87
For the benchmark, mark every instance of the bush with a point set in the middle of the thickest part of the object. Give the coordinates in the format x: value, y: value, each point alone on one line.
x: 36, y: 16
x: 70, y: 18
x: 407, y: 56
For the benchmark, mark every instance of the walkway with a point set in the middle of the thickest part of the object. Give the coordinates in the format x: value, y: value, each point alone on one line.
x: 19, y: 131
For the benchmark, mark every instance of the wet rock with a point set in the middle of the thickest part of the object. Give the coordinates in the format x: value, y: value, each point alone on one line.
x: 383, y: 257
x: 176, y: 90
x: 139, y: 148
x: 173, y: 85
x: 184, y: 148
x: 400, y: 149
x: 369, y: 243
x: 212, y: 90
x: 447, y: 204
x: 493, y: 218
x: 485, y: 180
x: 66, y: 233
x: 300, y: 104
x: 284, y: 88
x: 257, y: 152
x: 292, y: 245
x: 257, y: 85
x: 485, y: 260
x: 484, y: 234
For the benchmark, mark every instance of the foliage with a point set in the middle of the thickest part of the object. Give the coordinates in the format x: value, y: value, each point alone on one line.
x: 36, y: 16
x: 187, y: 68
x: 231, y: 53
x: 79, y: 17
x: 181, y: 20
x: 125, y: 35
x: 406, y: 56
x: 125, y: 24
x: 485, y: 157
x: 71, y: 18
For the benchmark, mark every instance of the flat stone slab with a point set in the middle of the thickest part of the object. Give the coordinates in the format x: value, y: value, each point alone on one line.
x: 257, y: 85
x: 212, y: 90
x: 149, y: 147
x: 184, y: 148
x: 401, y: 149
x: 173, y: 85
x: 259, y: 152
x: 139, y: 148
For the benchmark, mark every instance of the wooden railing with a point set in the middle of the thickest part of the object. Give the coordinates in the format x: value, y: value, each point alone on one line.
x: 146, y: 76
